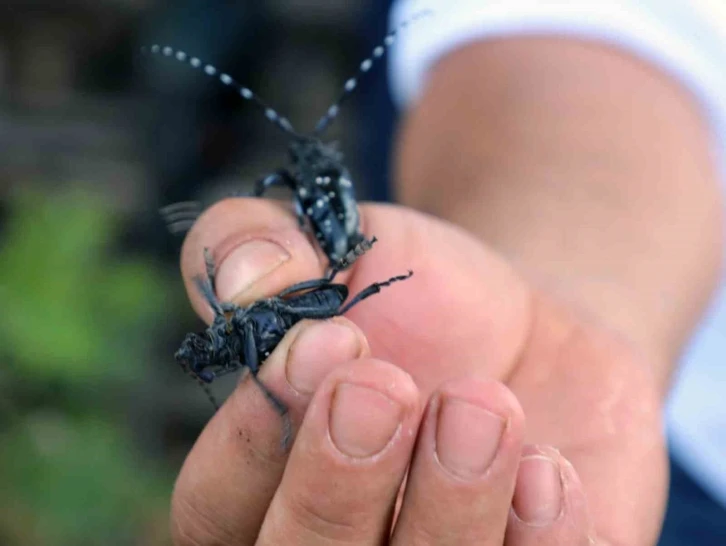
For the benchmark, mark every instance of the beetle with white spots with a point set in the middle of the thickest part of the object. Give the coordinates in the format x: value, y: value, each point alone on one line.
x: 323, y: 193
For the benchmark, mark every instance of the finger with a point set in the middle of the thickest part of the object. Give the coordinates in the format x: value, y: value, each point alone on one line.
x: 231, y: 473
x: 258, y: 249
x: 549, y: 506
x: 463, y: 301
x: 462, y: 478
x: 348, y: 462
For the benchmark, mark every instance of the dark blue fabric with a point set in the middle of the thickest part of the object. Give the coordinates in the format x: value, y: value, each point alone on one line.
x: 374, y: 105
x: 693, y: 517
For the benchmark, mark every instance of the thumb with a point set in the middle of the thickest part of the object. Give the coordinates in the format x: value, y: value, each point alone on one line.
x: 257, y: 247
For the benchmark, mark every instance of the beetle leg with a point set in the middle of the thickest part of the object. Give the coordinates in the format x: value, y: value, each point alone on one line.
x: 300, y: 213
x: 327, y: 312
x: 305, y: 285
x: 252, y: 362
x: 346, y: 261
x: 208, y: 288
x: 361, y: 248
x: 373, y: 289
x: 210, y: 267
x: 310, y: 312
x: 180, y: 217
x: 205, y: 288
x: 278, y: 178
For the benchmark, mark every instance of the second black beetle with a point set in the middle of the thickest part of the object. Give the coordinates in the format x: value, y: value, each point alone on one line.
x: 243, y: 337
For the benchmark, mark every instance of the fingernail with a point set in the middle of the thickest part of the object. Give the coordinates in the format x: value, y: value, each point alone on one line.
x: 247, y: 264
x: 538, y: 493
x: 316, y: 350
x: 362, y: 420
x: 467, y: 437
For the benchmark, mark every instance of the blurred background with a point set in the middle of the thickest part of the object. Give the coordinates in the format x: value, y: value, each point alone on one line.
x: 95, y: 416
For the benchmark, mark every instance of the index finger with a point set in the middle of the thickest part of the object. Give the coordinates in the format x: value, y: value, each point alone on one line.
x: 231, y: 474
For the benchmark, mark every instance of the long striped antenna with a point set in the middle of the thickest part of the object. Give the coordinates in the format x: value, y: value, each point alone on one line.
x: 212, y: 71
x: 365, y: 66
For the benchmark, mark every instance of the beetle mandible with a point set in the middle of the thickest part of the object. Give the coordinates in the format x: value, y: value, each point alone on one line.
x: 322, y: 187
x: 243, y: 337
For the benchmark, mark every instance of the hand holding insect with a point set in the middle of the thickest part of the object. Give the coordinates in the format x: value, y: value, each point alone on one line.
x: 244, y: 337
x: 464, y: 324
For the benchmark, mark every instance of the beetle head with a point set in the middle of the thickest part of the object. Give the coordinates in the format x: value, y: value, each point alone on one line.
x: 312, y: 151
x: 202, y: 353
x: 195, y: 352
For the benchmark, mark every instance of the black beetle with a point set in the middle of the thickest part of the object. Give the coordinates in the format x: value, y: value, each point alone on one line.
x: 322, y: 187
x: 243, y: 337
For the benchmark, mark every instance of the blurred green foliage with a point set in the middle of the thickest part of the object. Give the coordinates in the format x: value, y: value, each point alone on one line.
x: 78, y: 328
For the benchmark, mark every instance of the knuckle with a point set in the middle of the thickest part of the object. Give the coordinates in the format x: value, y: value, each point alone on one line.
x: 191, y: 525
x: 325, y: 517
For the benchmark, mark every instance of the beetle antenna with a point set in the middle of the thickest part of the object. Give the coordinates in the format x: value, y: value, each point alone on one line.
x: 205, y: 287
x: 201, y: 383
x: 212, y: 71
x: 208, y: 392
x: 365, y: 66
x: 280, y: 408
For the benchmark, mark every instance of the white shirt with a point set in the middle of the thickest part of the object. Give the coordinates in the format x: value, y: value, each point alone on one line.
x: 687, y: 39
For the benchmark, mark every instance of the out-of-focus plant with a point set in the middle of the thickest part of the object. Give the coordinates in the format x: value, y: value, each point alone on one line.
x: 68, y: 304
x: 77, y: 327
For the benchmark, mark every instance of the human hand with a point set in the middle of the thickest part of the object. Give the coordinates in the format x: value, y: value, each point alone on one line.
x: 463, y: 327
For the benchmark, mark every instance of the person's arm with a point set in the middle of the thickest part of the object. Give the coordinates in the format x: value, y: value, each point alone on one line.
x: 587, y: 168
